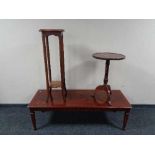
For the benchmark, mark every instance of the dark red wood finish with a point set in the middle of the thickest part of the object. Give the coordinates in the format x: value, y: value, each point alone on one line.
x: 109, y: 56
x: 45, y: 34
x: 106, y: 56
x: 74, y: 99
x: 78, y: 100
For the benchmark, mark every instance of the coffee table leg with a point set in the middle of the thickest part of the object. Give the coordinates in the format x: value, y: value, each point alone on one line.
x: 33, y: 119
x: 126, y: 116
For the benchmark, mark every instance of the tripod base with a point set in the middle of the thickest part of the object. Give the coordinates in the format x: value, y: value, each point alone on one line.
x: 102, y: 94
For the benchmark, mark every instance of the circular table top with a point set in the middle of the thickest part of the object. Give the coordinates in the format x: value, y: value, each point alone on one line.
x: 51, y: 30
x: 108, y: 56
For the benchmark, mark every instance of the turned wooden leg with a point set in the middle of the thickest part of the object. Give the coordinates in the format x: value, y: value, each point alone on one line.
x: 106, y: 81
x: 33, y: 119
x: 126, y: 116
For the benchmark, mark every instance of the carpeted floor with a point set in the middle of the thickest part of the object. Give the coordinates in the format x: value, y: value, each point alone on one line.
x: 15, y: 120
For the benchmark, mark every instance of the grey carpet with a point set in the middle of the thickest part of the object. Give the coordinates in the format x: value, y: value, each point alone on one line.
x: 15, y: 120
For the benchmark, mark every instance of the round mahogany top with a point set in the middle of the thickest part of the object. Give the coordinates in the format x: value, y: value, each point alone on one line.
x: 51, y: 30
x: 108, y: 56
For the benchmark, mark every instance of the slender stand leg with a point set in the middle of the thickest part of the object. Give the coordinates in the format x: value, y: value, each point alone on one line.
x: 33, y: 119
x: 126, y: 116
x: 49, y: 69
x: 47, y: 64
x: 62, y: 67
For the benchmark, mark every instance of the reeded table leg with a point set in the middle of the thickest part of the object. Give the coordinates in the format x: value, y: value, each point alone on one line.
x: 33, y: 119
x: 126, y: 116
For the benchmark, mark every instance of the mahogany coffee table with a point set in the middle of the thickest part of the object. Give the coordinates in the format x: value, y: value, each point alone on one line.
x: 78, y: 100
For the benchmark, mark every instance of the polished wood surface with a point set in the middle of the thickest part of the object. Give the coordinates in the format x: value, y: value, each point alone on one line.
x: 51, y: 99
x: 102, y: 94
x: 78, y: 100
x: 51, y: 30
x: 108, y: 56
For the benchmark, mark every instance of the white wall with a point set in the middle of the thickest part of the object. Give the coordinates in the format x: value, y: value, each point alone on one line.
x: 21, y: 58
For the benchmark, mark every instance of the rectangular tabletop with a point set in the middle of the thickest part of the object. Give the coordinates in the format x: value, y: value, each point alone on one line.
x: 82, y: 99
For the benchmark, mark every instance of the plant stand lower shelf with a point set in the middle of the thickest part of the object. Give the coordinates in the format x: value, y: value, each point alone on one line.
x: 78, y: 100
